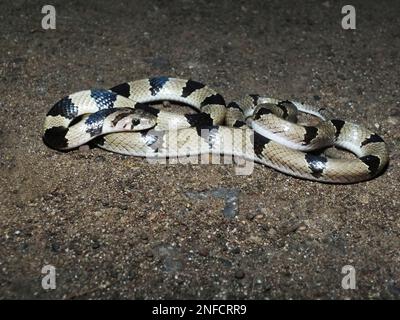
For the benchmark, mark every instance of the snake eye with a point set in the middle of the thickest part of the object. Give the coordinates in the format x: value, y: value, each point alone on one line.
x: 142, y: 123
x: 135, y: 122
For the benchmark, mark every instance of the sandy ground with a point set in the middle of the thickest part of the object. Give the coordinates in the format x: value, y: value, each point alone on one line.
x: 119, y: 227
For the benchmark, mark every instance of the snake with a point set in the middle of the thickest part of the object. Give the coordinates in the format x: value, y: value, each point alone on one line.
x: 124, y: 120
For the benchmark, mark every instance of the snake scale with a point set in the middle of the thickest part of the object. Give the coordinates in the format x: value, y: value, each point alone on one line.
x: 256, y: 128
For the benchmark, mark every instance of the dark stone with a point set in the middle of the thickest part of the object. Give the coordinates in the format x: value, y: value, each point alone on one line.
x: 239, y: 274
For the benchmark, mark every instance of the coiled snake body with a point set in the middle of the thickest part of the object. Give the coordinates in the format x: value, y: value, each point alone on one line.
x: 121, y: 120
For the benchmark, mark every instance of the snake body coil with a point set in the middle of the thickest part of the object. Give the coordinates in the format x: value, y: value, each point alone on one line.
x: 256, y: 128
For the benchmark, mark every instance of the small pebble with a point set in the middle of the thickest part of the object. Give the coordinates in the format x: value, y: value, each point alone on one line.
x: 203, y: 252
x: 105, y: 203
x: 393, y: 120
x: 149, y: 254
x: 144, y: 237
x: 302, y: 227
x: 364, y: 199
x: 84, y: 148
x: 98, y: 214
x: 96, y: 244
x: 326, y: 4
x: 239, y: 274
x: 250, y: 215
x: 123, y: 206
x: 55, y: 247
x: 236, y: 250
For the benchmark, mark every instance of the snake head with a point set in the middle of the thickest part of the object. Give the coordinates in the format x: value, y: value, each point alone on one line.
x: 129, y: 120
